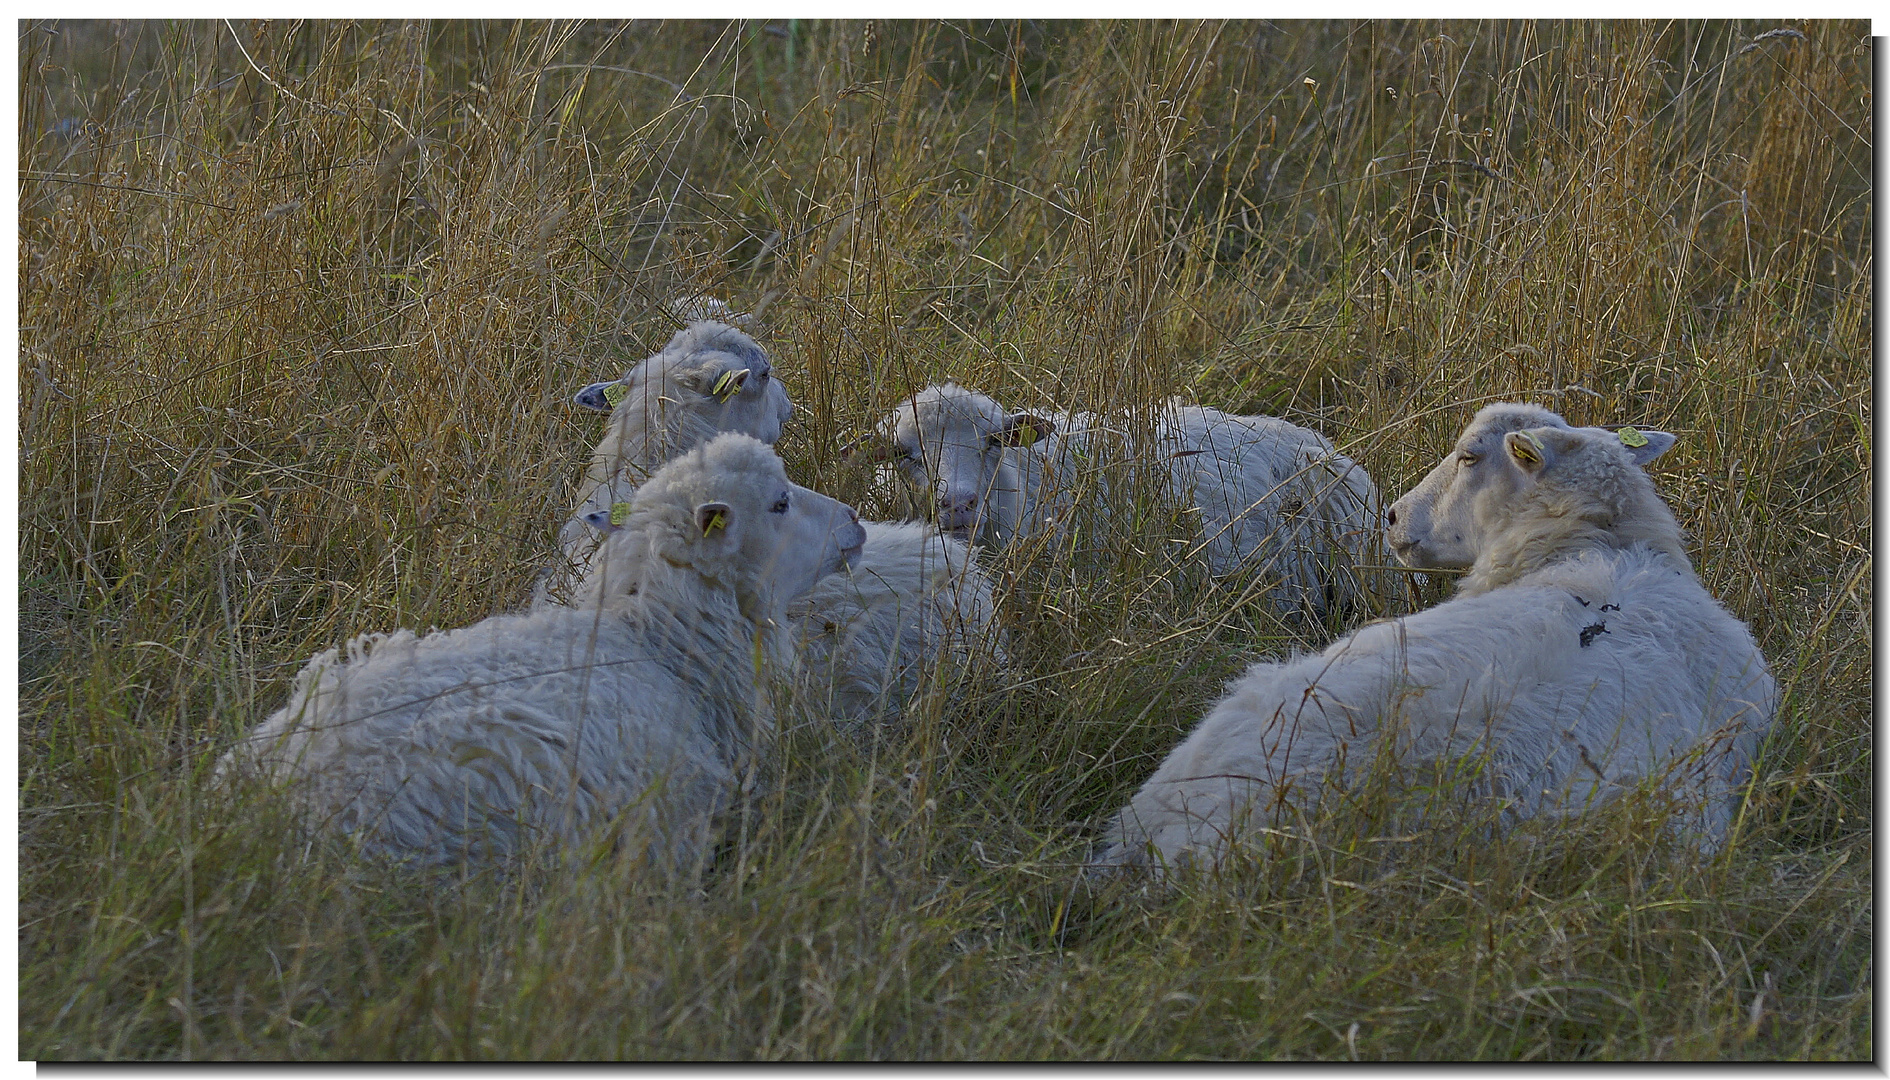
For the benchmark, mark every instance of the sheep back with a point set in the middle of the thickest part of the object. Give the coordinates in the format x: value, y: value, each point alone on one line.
x: 1275, y: 498
x: 522, y: 729
x: 1577, y: 682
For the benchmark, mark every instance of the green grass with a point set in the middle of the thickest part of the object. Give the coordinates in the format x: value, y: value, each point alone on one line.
x: 301, y: 306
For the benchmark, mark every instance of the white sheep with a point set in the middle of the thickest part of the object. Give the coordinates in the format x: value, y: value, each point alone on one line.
x: 709, y: 379
x: 1580, y: 658
x: 637, y: 708
x: 1271, y: 496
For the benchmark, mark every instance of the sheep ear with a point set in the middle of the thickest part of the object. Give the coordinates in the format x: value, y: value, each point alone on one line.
x: 1023, y: 429
x: 873, y: 448
x: 1646, y: 445
x: 1528, y: 451
x: 729, y: 385
x: 601, y: 396
x: 712, y: 517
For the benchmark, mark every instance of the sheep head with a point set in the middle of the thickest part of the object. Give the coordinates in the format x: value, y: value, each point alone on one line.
x: 1521, y: 484
x: 951, y: 443
x: 726, y: 513
x: 1432, y: 526
x: 710, y: 378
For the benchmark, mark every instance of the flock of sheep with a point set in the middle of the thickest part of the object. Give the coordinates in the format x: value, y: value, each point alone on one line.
x: 1580, y: 659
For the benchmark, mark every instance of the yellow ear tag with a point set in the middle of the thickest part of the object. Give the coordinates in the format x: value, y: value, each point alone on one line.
x: 614, y: 393
x: 1026, y: 435
x: 716, y: 522
x: 1525, y: 455
x: 1630, y: 437
x: 727, y: 387
x: 619, y: 513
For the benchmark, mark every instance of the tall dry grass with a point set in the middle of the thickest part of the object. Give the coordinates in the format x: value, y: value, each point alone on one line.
x: 301, y: 305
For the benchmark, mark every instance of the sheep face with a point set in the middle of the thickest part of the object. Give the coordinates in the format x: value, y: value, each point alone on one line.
x: 728, y: 512
x: 1433, y: 525
x: 952, y: 444
x: 709, y: 378
x: 1507, y: 476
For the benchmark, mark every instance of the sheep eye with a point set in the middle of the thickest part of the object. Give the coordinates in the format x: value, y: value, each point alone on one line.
x: 780, y: 506
x: 1467, y: 458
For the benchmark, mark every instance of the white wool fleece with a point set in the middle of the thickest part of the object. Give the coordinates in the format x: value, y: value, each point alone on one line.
x: 913, y: 600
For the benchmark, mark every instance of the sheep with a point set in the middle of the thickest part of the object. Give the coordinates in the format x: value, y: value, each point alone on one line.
x: 637, y: 707
x: 710, y: 378
x: 1270, y: 495
x: 911, y: 599
x: 1580, y: 657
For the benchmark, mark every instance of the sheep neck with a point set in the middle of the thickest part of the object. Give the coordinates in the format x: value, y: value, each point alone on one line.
x: 726, y: 643
x: 1032, y: 482
x: 641, y: 439
x: 1549, y: 534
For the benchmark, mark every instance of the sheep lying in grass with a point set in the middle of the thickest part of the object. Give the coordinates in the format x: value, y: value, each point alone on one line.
x: 636, y: 707
x: 1580, y: 658
x: 1271, y: 496
x: 710, y: 378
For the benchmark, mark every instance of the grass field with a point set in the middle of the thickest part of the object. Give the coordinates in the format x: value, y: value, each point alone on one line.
x: 301, y: 306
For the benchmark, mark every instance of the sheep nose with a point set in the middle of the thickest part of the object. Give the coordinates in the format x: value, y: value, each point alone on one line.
x: 957, y: 503
x: 1391, y: 516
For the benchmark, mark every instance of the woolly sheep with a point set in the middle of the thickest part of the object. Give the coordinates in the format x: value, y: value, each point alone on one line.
x: 1270, y: 495
x: 1581, y: 656
x: 710, y: 378
x: 637, y: 707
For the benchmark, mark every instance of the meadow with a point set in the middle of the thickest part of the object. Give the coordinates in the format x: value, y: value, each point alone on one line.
x: 302, y: 304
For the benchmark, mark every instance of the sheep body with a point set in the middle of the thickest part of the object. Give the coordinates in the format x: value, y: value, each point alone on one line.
x: 913, y: 599
x: 1277, y: 497
x: 1581, y: 657
x: 640, y: 705
x: 1271, y: 495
